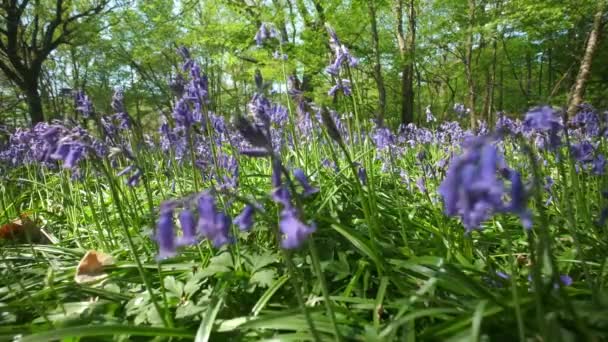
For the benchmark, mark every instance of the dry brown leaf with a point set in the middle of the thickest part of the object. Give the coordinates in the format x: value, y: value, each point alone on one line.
x: 25, y: 230
x: 91, y: 267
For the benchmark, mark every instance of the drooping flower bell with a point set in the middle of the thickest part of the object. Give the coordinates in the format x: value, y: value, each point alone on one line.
x: 212, y: 224
x: 164, y: 234
x: 295, y: 232
x: 300, y: 176
x: 245, y: 219
x: 471, y: 188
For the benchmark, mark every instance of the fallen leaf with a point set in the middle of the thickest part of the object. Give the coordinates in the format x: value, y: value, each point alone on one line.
x: 25, y: 230
x: 91, y: 267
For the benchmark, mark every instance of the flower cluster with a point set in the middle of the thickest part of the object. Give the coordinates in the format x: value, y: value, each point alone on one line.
x: 206, y: 221
x: 473, y: 190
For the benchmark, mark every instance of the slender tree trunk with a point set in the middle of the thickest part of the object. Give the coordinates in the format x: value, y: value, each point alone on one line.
x: 549, y: 71
x: 492, y: 84
x: 468, y: 64
x: 528, y: 76
x: 407, y: 54
x: 501, y: 88
x: 540, y: 75
x: 377, y: 66
x: 578, y: 91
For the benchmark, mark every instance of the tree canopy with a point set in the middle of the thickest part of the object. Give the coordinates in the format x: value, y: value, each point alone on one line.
x: 489, y: 55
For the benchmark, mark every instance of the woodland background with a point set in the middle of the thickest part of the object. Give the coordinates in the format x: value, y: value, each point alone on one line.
x: 490, y: 55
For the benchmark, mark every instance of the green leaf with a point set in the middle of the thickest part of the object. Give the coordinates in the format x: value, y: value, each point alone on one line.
x: 204, y: 330
x: 174, y: 286
x: 263, y: 278
x: 261, y: 303
x: 106, y: 330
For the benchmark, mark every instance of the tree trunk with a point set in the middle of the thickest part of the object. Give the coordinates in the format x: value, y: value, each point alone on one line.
x: 501, y: 86
x: 377, y: 66
x: 468, y: 67
x: 34, y: 103
x: 578, y: 91
x: 407, y: 53
x: 528, y: 77
x: 540, y: 75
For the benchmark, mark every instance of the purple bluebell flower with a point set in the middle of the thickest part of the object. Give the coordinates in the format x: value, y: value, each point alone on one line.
x: 343, y: 86
x: 118, y: 101
x: 565, y: 279
x: 421, y: 184
x: 383, y: 138
x: 280, y: 56
x: 505, y: 125
x: 429, y: 115
x: 253, y: 133
x: 587, y: 119
x: 126, y: 170
x: 266, y: 31
x: 71, y: 154
x: 133, y: 180
x: 83, y: 104
x: 582, y: 152
x: 294, y: 231
x: 212, y: 224
x: 461, y: 109
x: 341, y: 54
x: 245, y: 219
x: 599, y: 165
x: 182, y: 113
x: 519, y: 200
x: 544, y: 120
x: 503, y: 275
x: 164, y: 234
x: 301, y: 178
x: 362, y: 174
x: 471, y: 188
x: 188, y: 225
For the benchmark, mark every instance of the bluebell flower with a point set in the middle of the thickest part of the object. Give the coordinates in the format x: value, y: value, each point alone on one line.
x: 519, y: 200
x: 582, y: 152
x: 343, y: 86
x: 133, y: 180
x: 83, y: 104
x: 461, y: 109
x: 544, y: 120
x: 301, y: 178
x: 245, y: 219
x: 383, y: 138
x: 429, y: 115
x: 253, y: 134
x: 565, y: 279
x: 164, y: 234
x: 265, y: 32
x: 587, y: 118
x: 421, y: 184
x: 471, y: 188
x: 214, y: 225
x: 188, y: 225
x: 294, y: 231
x: 599, y: 165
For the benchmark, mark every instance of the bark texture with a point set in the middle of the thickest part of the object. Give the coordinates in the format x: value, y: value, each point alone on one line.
x: 584, y: 71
